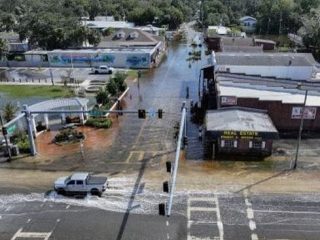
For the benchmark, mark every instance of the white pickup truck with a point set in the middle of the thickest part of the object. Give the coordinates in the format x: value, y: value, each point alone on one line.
x: 81, y: 183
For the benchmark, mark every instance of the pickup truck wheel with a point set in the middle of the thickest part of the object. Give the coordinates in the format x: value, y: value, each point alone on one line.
x: 61, y: 191
x: 110, y: 71
x: 96, y: 72
x: 95, y: 192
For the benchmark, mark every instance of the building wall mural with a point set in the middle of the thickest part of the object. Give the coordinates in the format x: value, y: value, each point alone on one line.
x: 88, y: 59
x: 117, y: 59
x: 138, y: 61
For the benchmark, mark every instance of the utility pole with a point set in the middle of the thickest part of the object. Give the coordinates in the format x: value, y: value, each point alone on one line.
x: 280, y: 23
x: 300, y: 131
x: 176, y: 162
x: 4, y: 131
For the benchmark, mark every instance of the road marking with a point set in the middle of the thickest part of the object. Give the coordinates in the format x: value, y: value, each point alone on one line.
x: 250, y: 213
x: 167, y: 223
x: 254, y: 236
x: 20, y: 234
x: 292, y: 212
x: 168, y: 237
x: 252, y: 225
x: 67, y: 207
x: 203, y: 209
x: 132, y: 153
x: 0, y: 217
x: 220, y: 225
x: 213, y: 201
x: 29, y: 220
x: 250, y: 216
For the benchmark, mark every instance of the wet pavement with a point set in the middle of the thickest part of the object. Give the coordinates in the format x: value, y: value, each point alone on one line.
x: 131, y: 140
x: 196, y: 215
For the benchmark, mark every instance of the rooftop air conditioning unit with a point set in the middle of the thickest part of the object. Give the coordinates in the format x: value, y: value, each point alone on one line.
x: 120, y: 35
x: 133, y: 35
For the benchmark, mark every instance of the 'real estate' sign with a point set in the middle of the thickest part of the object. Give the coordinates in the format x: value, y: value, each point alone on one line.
x: 228, y: 100
x: 240, y: 135
x: 309, y: 113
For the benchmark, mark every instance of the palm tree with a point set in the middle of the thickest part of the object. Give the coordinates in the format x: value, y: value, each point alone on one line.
x: 9, y: 111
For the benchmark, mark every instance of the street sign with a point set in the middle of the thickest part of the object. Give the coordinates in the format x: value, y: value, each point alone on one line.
x: 11, y: 129
x: 151, y: 113
x: 95, y: 113
x: 309, y: 113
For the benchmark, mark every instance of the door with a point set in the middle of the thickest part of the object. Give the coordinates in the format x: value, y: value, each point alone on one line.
x: 80, y: 186
x: 71, y: 186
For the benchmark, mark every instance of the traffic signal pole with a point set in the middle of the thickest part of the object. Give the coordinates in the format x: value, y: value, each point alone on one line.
x: 5, y: 135
x: 176, y: 162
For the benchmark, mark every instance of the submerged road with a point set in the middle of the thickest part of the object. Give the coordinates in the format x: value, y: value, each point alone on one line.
x: 196, y: 216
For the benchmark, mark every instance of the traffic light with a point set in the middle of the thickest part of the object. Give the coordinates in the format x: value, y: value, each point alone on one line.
x: 142, y: 113
x: 166, y: 186
x: 4, y: 131
x: 185, y: 141
x: 160, y: 113
x: 162, y: 209
x: 168, y: 165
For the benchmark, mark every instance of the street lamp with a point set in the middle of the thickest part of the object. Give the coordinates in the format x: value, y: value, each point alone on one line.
x: 301, y: 127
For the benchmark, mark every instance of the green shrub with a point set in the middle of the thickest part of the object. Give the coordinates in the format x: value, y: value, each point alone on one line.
x: 99, y: 122
x: 22, y: 141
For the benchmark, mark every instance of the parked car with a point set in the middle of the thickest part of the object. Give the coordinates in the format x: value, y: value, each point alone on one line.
x: 81, y: 183
x: 102, y: 69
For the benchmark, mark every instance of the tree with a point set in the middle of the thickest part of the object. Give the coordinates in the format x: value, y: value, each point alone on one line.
x: 310, y: 30
x: 3, y: 47
x: 9, y: 111
x: 94, y: 8
x: 112, y: 87
x: 94, y: 37
x: 102, y: 97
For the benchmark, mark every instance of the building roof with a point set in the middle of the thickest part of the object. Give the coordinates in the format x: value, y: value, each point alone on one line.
x: 11, y: 37
x: 97, y: 51
x: 237, y: 119
x: 268, y: 89
x: 129, y: 37
x: 59, y: 103
x: 150, y: 27
x: 265, y: 59
x: 107, y: 24
x: 244, y: 49
x: 247, y: 18
x: 258, y: 40
x: 220, y: 30
x: 237, y: 41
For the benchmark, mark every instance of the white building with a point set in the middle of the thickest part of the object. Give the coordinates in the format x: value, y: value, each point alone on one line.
x: 220, y: 30
x: 101, y: 23
x: 294, y: 66
x: 248, y: 24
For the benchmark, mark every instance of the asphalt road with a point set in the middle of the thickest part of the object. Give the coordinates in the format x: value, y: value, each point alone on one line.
x: 195, y: 216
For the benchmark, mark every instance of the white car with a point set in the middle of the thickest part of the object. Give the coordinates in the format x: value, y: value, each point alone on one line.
x: 102, y: 69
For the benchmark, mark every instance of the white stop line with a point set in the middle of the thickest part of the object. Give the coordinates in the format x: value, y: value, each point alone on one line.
x: 20, y: 234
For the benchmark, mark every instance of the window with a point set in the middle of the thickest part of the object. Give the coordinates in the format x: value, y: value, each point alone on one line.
x: 79, y: 182
x: 228, y: 143
x: 71, y: 182
x: 256, y: 145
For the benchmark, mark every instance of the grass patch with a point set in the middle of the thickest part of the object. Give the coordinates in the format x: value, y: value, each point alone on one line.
x: 132, y: 73
x: 36, y: 91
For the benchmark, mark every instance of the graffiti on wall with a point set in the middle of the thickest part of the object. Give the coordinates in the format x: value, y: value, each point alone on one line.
x: 67, y: 59
x: 138, y: 61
